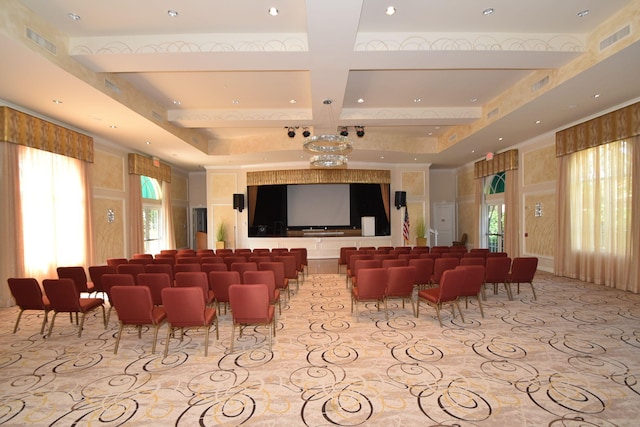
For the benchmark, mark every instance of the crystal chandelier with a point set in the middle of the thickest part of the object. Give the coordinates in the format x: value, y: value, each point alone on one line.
x: 330, y: 150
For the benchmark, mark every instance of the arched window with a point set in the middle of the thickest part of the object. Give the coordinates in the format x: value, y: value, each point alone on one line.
x: 496, y: 185
x: 151, y: 214
x: 150, y: 188
x: 494, y: 210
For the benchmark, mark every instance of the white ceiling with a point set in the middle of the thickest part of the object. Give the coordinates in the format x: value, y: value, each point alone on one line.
x: 235, y: 69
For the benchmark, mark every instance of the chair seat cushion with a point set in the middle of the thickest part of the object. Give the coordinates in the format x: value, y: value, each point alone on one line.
x: 87, y: 304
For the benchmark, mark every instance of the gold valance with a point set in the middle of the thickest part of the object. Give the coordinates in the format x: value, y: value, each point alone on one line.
x: 20, y: 128
x: 141, y: 165
x: 319, y: 176
x: 614, y: 126
x: 501, y: 162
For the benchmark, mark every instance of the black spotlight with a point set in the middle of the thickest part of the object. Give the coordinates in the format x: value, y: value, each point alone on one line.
x: 360, y: 131
x: 344, y: 131
x: 291, y: 132
x: 305, y: 132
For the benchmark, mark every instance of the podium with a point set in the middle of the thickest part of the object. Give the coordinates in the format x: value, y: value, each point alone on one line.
x: 368, y: 225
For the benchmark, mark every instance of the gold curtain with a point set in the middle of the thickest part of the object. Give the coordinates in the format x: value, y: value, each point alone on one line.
x: 141, y: 165
x: 319, y: 176
x: 505, y: 161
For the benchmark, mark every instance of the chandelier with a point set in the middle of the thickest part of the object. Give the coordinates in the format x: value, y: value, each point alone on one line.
x: 329, y: 150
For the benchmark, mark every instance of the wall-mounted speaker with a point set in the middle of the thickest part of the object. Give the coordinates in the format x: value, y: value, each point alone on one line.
x: 238, y: 201
x: 401, y: 199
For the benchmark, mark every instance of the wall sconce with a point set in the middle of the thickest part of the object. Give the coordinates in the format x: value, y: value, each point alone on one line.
x: 538, y: 210
x: 111, y: 216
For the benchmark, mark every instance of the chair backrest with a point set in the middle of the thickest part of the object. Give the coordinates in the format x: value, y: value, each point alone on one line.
x: 220, y: 281
x: 523, y: 269
x: 451, y: 285
x: 400, y: 281
x: 96, y: 272
x: 242, y: 251
x: 365, y: 263
x: 473, y: 260
x: 133, y: 269
x: 207, y: 268
x: 197, y: 279
x: 63, y: 294
x: 473, y: 280
x: 141, y: 261
x: 355, y: 257
x: 303, y: 254
x: 142, y: 256
x: 496, y: 254
x: 185, y: 252
x: 396, y: 262
x: 477, y: 254
x: 228, y: 260
x: 408, y: 256
x: 159, y: 268
x: 172, y: 252
x: 110, y: 280
x: 116, y: 261
x: 205, y: 252
x: 224, y: 251
x: 134, y: 304
x: 250, y: 303
x: 164, y: 259
x: 278, y: 271
x: 27, y: 293
x: 372, y: 283
x: 453, y: 254
x: 186, y: 267
x: 260, y: 258
x: 184, y: 306
x: 241, y: 267
x: 210, y: 259
x: 76, y: 274
x: 441, y: 265
x: 188, y: 260
x: 156, y: 282
x: 382, y: 256
x: 497, y: 269
x: 289, y: 262
x: 424, y: 270
x: 348, y: 252
x: 266, y: 277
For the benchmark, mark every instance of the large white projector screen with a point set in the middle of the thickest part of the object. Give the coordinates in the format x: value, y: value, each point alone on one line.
x: 312, y: 205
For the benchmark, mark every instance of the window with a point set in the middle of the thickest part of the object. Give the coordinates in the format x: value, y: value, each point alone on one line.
x: 151, y: 214
x: 494, y: 209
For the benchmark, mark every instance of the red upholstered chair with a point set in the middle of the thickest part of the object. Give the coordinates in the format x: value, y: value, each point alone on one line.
x: 400, y: 281
x: 156, y: 282
x: 476, y: 254
x: 261, y: 251
x: 219, y: 282
x: 496, y: 272
x: 382, y: 256
x: 172, y: 252
x: 484, y: 251
x: 290, y: 272
x: 496, y: 254
x: 304, y: 262
x: 78, y: 275
x: 342, y: 259
x: 208, y: 268
x: 96, y: 272
x: 185, y: 308
x: 188, y: 260
x: 185, y: 253
x: 135, y: 307
x: 351, y: 268
x: 117, y: 261
x: 523, y: 269
x: 363, y: 263
x: 28, y: 296
x: 441, y: 265
x: 250, y: 307
x: 164, y: 259
x: 396, y: 262
x: 372, y: 284
x: 241, y: 267
x: 205, y: 252
x: 268, y: 278
x: 230, y: 259
x: 132, y: 269
x: 224, y: 252
x: 242, y: 251
x: 408, y: 256
x: 472, y: 284
x: 110, y: 280
x: 141, y: 261
x: 160, y: 268
x: 282, y: 283
x: 211, y: 259
x: 178, y: 268
x: 424, y: 271
x: 473, y: 260
x: 260, y: 258
x: 65, y: 298
x: 447, y: 293
x: 198, y: 279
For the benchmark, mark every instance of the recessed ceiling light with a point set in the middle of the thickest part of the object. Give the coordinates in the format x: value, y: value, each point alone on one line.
x: 381, y: 157
x: 473, y: 151
x: 74, y: 16
x: 176, y: 102
x: 583, y: 13
x: 148, y: 142
x: 500, y: 139
x: 235, y: 102
x: 415, y: 158
x: 56, y: 101
x: 172, y: 13
x: 293, y: 101
x: 390, y: 11
x: 596, y: 96
x: 488, y: 11
x: 538, y: 122
x: 273, y: 11
x: 430, y: 133
x: 360, y: 101
x: 474, y: 99
x: 113, y: 126
x: 416, y: 100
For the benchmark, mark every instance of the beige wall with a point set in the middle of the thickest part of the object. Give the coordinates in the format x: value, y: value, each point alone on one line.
x: 467, y: 222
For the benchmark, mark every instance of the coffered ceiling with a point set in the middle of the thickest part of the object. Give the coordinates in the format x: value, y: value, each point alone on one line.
x: 440, y: 81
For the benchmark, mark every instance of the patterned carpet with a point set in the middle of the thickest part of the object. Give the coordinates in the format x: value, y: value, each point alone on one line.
x: 571, y: 358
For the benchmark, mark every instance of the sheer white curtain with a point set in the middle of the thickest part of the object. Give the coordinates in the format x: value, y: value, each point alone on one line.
x: 55, y: 209
x: 596, y: 190
x: 169, y: 237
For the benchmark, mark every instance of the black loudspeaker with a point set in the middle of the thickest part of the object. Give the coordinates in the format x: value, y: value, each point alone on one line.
x: 401, y: 199
x: 238, y: 201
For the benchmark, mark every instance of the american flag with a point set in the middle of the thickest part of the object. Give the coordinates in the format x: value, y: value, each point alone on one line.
x: 405, y: 226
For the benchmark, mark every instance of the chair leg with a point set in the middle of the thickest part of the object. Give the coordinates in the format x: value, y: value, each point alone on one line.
x: 532, y: 290
x: 507, y: 286
x: 480, y: 305
x: 233, y: 333
x: 386, y: 313
x: 155, y: 338
x: 206, y: 341
x: 44, y: 322
x: 81, y: 324
x: 53, y: 320
x: 217, y: 329
x: 460, y: 311
x: 15, y: 328
x: 166, y: 344
x: 115, y: 349
x: 437, y: 306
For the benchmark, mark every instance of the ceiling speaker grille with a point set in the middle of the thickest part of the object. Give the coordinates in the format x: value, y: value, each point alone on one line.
x: 41, y: 41
x: 615, y: 37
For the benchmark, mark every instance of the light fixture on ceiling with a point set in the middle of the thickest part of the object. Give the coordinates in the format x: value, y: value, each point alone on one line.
x: 488, y: 11
x: 344, y: 131
x: 273, y: 11
x: 172, y: 13
x: 360, y: 131
x: 305, y: 132
x: 291, y: 132
x: 583, y: 13
x: 330, y: 150
x: 74, y: 16
x: 390, y: 11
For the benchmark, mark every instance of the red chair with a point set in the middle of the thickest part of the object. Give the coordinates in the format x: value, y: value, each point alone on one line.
x: 185, y: 253
x: 496, y: 272
x: 448, y: 292
x: 78, y: 275
x: 301, y: 259
x: 241, y: 267
x: 142, y: 256
x: 496, y: 254
x: 96, y: 272
x: 424, y: 271
x: 342, y: 259
x: 28, y: 296
x: 135, y: 307
x: 185, y: 308
x: 156, y: 282
x: 372, y: 283
x: 473, y: 260
x: 440, y: 265
x: 400, y: 281
x: 228, y: 260
x: 219, y: 282
x: 396, y: 262
x: 282, y: 283
x: 188, y: 260
x: 352, y: 264
x: 260, y: 258
x: 117, y: 261
x: 523, y: 270
x: 211, y: 260
x: 363, y: 263
x: 132, y: 269
x: 198, y: 279
x: 268, y: 278
x: 181, y: 268
x: 472, y: 284
x: 160, y: 268
x: 141, y: 261
x: 65, y: 298
x: 111, y: 280
x: 208, y: 268
x: 164, y: 259
x: 290, y: 272
x: 250, y: 307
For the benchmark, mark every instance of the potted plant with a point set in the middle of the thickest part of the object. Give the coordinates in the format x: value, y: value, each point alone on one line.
x: 221, y: 235
x: 421, y: 232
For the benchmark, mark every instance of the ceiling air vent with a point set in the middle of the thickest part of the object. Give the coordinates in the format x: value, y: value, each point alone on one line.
x: 111, y: 86
x: 540, y: 84
x: 156, y: 116
x: 453, y: 137
x: 41, y: 41
x: 618, y: 35
x: 492, y: 113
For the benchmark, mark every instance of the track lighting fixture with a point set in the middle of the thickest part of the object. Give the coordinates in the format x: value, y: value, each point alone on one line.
x: 290, y: 131
x: 305, y: 132
x: 344, y: 131
x: 360, y: 131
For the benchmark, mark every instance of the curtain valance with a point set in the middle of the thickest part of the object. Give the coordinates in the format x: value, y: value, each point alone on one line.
x: 614, y: 126
x: 23, y: 129
x: 141, y: 165
x: 501, y: 162
x: 319, y: 176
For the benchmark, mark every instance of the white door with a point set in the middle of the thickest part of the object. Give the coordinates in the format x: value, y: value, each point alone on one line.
x: 443, y: 220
